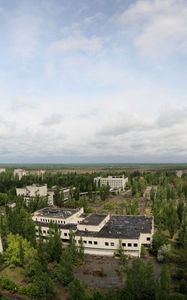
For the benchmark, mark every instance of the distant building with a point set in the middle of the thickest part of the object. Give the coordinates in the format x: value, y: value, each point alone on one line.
x: 2, y: 170
x: 20, y: 173
x: 32, y: 191
x: 115, y: 182
x: 65, y: 191
x: 100, y: 234
x: 37, y: 172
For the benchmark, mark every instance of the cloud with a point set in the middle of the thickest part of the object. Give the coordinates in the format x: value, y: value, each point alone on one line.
x: 157, y: 27
x: 22, y: 102
x: 53, y: 119
x: 77, y: 41
x: 172, y: 117
x: 124, y: 123
x: 24, y: 34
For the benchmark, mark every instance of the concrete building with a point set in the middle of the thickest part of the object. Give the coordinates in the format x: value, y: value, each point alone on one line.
x: 37, y: 172
x: 101, y: 234
x: 31, y: 191
x: 2, y: 170
x: 20, y: 173
x: 115, y: 182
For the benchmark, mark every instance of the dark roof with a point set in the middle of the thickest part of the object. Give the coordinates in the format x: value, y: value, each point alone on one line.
x: 56, y: 212
x: 93, y: 219
x: 126, y: 227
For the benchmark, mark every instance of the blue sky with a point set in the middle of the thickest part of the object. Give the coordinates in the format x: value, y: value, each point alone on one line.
x: 93, y: 81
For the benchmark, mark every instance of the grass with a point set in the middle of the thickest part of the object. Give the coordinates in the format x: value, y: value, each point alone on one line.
x: 14, y: 274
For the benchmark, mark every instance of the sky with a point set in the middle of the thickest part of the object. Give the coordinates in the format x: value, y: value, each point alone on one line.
x: 93, y: 81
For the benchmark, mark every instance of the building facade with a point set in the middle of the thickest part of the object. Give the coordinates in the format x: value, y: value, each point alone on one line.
x: 20, y: 173
x: 115, y: 182
x: 31, y: 191
x: 100, y: 234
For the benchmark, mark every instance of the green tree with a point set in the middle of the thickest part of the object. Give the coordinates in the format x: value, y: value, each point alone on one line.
x: 76, y: 290
x: 164, y: 284
x: 16, y: 247
x: 140, y: 282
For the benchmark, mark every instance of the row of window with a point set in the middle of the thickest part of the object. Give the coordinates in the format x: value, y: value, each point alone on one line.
x: 53, y: 221
x: 108, y: 244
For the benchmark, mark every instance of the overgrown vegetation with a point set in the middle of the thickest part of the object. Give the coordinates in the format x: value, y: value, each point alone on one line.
x: 46, y: 264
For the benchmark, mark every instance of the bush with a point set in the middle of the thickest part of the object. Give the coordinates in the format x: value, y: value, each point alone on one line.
x: 8, y: 284
x: 163, y: 253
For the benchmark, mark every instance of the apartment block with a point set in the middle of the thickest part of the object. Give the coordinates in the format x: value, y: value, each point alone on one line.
x: 31, y: 191
x: 115, y: 182
x: 101, y: 234
x: 20, y: 173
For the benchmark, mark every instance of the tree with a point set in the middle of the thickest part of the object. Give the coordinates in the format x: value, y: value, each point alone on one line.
x: 42, y: 286
x: 76, y: 290
x: 158, y: 240
x: 164, y: 283
x: 140, y: 282
x: 16, y: 247
x: 63, y: 271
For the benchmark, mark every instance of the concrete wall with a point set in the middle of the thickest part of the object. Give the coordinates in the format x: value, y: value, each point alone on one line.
x: 108, y: 246
x: 1, y: 245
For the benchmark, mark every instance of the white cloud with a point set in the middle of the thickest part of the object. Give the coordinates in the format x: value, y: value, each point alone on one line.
x: 77, y: 41
x: 53, y: 119
x: 24, y: 34
x: 158, y: 27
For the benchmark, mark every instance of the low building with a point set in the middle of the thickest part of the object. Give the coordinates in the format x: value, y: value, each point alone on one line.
x: 20, y: 173
x: 114, y: 182
x: 101, y: 234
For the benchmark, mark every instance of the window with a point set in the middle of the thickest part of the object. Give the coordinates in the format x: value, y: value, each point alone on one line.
x: 65, y: 234
x: 106, y: 243
x: 124, y: 244
x: 90, y: 242
x: 148, y: 238
x: 79, y: 241
x: 85, y: 242
x: 95, y: 242
x: 135, y: 245
x: 44, y: 231
x: 65, y: 240
x: 112, y: 244
x: 129, y: 245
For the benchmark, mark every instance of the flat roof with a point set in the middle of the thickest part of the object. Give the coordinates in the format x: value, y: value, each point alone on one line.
x: 93, y: 219
x: 126, y: 227
x: 56, y: 212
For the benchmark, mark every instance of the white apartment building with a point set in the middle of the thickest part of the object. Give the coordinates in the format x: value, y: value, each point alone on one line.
x: 20, y: 173
x: 115, y: 182
x: 32, y: 191
x: 101, y: 234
